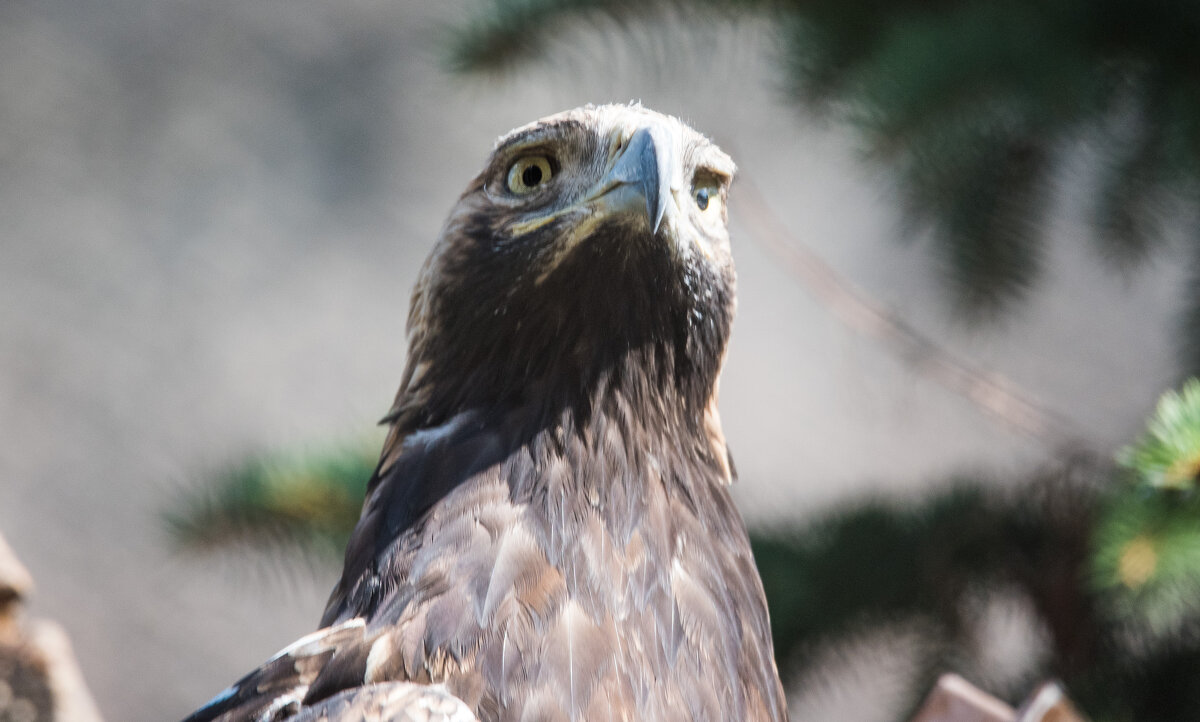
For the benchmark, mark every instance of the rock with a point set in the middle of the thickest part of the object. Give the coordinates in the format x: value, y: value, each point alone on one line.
x: 40, y: 680
x: 954, y: 699
x: 15, y: 585
x: 1049, y: 704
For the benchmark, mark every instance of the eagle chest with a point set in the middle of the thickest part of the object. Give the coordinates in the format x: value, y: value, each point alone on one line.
x: 594, y: 594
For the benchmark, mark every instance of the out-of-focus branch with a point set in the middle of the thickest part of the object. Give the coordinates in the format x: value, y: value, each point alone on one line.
x: 992, y: 392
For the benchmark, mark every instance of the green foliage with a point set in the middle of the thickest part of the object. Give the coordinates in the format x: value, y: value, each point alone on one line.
x: 1168, y: 455
x: 973, y: 105
x: 1147, y: 561
x: 309, y: 501
x: 873, y: 562
x: 929, y: 561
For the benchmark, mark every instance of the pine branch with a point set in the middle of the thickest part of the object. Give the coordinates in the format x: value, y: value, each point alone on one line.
x: 1147, y: 560
x: 307, y: 502
x: 985, y: 200
x: 1131, y: 202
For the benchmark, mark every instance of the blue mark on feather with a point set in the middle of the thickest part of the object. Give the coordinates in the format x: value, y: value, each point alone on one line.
x: 221, y: 697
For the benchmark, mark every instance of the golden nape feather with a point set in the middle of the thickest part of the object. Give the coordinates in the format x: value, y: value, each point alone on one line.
x: 549, y: 534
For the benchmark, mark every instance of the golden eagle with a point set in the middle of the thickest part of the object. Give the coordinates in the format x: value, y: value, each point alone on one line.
x: 549, y: 534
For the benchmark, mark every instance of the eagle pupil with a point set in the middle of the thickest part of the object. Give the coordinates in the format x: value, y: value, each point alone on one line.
x: 702, y: 199
x: 531, y: 176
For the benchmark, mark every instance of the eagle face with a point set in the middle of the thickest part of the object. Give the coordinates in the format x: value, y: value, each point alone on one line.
x: 589, y: 236
x: 549, y: 534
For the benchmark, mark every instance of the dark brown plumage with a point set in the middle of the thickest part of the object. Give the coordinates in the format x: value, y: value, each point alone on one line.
x: 549, y: 534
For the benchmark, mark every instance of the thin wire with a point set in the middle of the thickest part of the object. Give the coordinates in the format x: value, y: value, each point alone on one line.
x: 992, y: 392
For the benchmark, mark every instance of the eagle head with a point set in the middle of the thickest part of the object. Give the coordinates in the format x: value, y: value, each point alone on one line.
x: 593, y: 242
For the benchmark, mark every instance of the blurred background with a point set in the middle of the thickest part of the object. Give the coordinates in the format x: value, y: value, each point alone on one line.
x: 965, y: 236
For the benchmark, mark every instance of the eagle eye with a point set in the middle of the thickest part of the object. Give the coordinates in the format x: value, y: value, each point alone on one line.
x: 705, y: 190
x: 529, y: 173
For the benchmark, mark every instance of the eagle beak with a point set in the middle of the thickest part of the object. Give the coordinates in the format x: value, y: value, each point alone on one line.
x: 639, y: 168
x: 639, y: 181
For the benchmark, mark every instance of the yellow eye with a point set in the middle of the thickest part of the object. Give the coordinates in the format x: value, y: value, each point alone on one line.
x: 528, y: 174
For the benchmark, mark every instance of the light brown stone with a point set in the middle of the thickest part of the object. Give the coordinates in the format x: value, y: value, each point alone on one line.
x: 40, y: 680
x: 1049, y: 704
x: 954, y: 699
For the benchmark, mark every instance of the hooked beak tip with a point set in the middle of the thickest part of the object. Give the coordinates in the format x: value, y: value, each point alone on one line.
x: 639, y: 167
x: 656, y: 214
